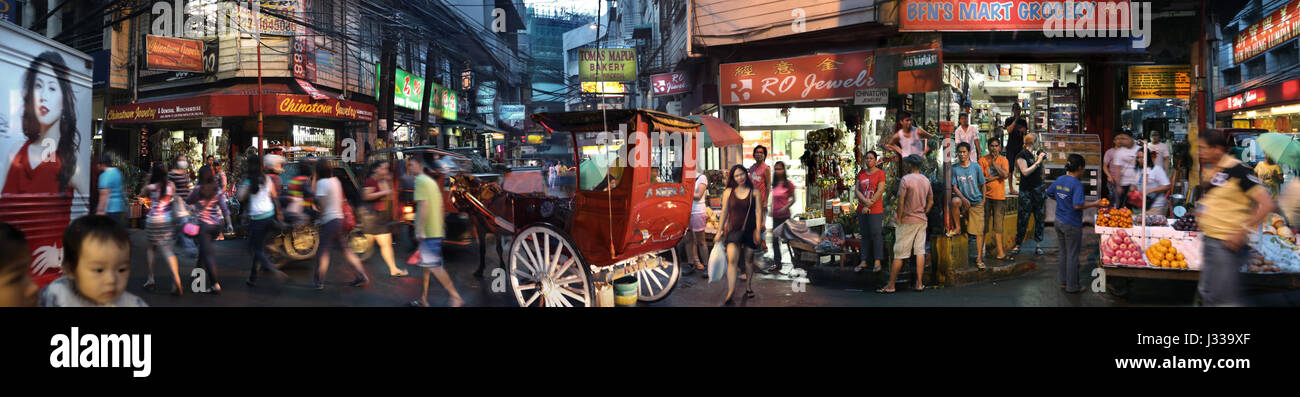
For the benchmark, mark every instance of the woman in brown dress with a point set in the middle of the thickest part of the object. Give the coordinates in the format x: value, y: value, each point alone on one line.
x: 739, y: 227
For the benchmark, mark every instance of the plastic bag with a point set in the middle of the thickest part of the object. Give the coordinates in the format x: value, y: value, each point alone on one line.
x: 832, y: 238
x: 717, y: 261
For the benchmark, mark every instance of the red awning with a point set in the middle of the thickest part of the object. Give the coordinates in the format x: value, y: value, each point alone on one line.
x: 720, y: 134
x: 239, y: 101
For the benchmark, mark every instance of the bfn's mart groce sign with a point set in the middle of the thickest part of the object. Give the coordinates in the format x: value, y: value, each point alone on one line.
x: 995, y: 15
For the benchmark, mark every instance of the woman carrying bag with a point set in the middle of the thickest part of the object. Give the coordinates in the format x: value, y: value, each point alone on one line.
x: 263, y: 211
x: 158, y: 224
x: 210, y: 203
x: 739, y: 227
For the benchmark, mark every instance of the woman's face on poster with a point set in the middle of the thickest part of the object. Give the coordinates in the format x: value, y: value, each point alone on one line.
x: 47, y: 97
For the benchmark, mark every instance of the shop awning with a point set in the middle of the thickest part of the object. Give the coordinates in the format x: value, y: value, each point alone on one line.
x: 238, y: 101
x: 716, y: 132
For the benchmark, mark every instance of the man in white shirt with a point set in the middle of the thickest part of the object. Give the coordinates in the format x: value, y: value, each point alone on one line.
x: 969, y: 134
x: 1120, y: 167
x: 1161, y: 149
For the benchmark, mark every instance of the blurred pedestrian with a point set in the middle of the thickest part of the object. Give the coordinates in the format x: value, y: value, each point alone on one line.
x: 375, y: 215
x: 1270, y: 174
x: 697, y: 247
x: 330, y: 201
x: 1068, y: 193
x: 1232, y: 206
x: 783, y: 198
x: 915, y: 198
x: 16, y: 286
x: 740, y: 219
x: 260, y: 192
x: 1157, y: 185
x: 1161, y: 149
x: 112, y: 191
x: 996, y: 171
x: 183, y: 181
x: 1120, y: 168
x: 96, y: 265
x: 1030, y: 163
x: 870, y: 192
x: 210, y: 206
x: 159, y: 224
x: 969, y: 134
x: 761, y: 175
x: 429, y: 230
x: 908, y: 139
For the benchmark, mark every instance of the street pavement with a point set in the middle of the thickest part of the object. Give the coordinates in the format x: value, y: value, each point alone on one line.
x: 824, y: 285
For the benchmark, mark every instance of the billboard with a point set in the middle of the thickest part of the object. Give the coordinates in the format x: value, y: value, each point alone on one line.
x: 607, y: 64
x: 45, y: 139
x: 170, y: 53
x: 1004, y: 15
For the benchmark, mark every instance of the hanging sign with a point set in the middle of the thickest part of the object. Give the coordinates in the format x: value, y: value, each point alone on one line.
x: 607, y: 64
x: 1159, y: 82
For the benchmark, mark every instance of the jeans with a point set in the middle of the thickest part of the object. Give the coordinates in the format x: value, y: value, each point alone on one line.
x: 207, y: 260
x: 1031, y: 203
x: 119, y: 217
x: 1220, y: 283
x: 873, y: 238
x: 1071, y: 238
x: 776, y: 242
x: 257, y: 233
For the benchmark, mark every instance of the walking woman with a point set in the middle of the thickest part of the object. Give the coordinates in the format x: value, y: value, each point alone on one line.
x: 210, y: 203
x: 783, y: 198
x: 329, y: 198
x: 696, y: 246
x: 260, y: 193
x: 740, y: 227
x: 375, y: 217
x: 158, y: 225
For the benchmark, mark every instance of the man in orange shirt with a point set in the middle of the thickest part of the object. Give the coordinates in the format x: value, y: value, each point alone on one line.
x: 995, y: 168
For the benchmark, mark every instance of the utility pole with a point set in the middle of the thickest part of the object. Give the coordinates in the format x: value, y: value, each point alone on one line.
x: 387, y: 61
x: 261, y: 105
x: 425, y: 101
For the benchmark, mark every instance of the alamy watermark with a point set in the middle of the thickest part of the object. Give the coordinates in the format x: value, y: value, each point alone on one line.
x: 1087, y: 19
x: 648, y: 149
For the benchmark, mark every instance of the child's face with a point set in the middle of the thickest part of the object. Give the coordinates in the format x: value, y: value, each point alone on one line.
x: 16, y: 287
x: 102, y: 270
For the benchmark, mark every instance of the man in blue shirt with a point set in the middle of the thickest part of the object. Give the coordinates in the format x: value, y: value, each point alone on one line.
x: 1068, y: 192
x: 112, y: 195
x: 968, y: 199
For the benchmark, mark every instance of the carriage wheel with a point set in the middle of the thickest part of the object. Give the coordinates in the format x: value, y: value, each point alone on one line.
x: 545, y: 270
x: 657, y: 283
x: 301, y: 242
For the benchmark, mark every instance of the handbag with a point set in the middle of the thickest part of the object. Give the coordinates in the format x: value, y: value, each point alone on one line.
x: 717, y: 261
x: 349, y: 219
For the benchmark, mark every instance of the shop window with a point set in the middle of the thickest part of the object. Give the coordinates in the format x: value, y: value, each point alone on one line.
x: 1284, y: 56
x: 1232, y: 76
x: 666, y: 158
x: 1256, y: 67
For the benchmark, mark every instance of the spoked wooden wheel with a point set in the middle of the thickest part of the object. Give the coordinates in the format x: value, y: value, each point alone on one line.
x: 657, y: 280
x: 545, y: 270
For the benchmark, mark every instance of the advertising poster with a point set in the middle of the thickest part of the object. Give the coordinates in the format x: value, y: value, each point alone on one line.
x: 45, y: 140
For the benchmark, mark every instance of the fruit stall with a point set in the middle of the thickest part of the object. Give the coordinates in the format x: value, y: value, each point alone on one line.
x: 1153, y: 247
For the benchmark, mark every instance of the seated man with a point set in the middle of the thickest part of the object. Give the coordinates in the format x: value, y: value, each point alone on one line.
x: 968, y: 199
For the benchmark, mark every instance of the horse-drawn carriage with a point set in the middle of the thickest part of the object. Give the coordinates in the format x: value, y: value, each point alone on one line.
x: 623, y: 215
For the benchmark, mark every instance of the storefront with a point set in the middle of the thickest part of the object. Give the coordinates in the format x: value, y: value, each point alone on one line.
x: 223, y: 122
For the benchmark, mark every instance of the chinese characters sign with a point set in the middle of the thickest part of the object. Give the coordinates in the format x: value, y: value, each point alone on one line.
x: 1159, y: 82
x: 408, y: 92
x: 607, y: 64
x: 829, y: 76
x: 1271, y: 31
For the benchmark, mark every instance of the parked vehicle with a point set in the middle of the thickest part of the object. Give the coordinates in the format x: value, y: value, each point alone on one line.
x: 459, y: 229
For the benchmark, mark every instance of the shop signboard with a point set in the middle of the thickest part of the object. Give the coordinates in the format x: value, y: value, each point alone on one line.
x: 408, y: 92
x: 607, y: 64
x: 1271, y: 31
x: 669, y: 84
x: 41, y: 200
x: 871, y: 96
x: 513, y: 115
x: 1008, y: 15
x: 9, y: 11
x: 173, y: 54
x: 606, y: 87
x: 304, y: 58
x: 830, y: 76
x: 211, y: 122
x: 1288, y: 91
x: 302, y: 105
x: 1159, y: 82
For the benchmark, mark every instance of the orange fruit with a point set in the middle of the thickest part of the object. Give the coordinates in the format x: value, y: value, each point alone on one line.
x: 1180, y: 257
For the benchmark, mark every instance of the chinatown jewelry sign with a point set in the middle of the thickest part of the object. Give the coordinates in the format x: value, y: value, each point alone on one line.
x: 1003, y: 15
x: 669, y: 84
x: 300, y: 105
x: 830, y: 76
x: 1271, y: 31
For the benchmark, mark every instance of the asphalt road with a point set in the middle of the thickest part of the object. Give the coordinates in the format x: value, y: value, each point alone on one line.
x: 820, y: 286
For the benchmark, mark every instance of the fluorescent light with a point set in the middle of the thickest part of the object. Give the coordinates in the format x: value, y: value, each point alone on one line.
x: 1292, y: 109
x: 1077, y: 68
x: 1250, y: 114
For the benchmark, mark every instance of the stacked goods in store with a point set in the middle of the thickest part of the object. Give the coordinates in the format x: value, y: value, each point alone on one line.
x: 1119, y: 249
x: 1276, y: 226
x: 1110, y: 217
x: 1187, y: 223
x: 1275, y: 254
x: 1163, y: 254
x: 1152, y: 220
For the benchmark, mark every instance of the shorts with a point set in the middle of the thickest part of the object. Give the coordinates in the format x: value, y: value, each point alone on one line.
x: 995, y: 212
x: 430, y: 253
x: 975, y: 219
x: 332, y: 235
x: 909, y: 238
x: 374, y: 222
x: 698, y: 221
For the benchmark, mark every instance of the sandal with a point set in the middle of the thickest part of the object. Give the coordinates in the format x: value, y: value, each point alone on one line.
x: 919, y: 289
x: 149, y: 286
x: 1014, y: 251
x: 884, y: 291
x: 861, y: 267
x: 749, y: 294
x: 980, y: 265
x: 876, y: 269
x: 403, y: 273
x: 416, y: 303
x: 700, y: 266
